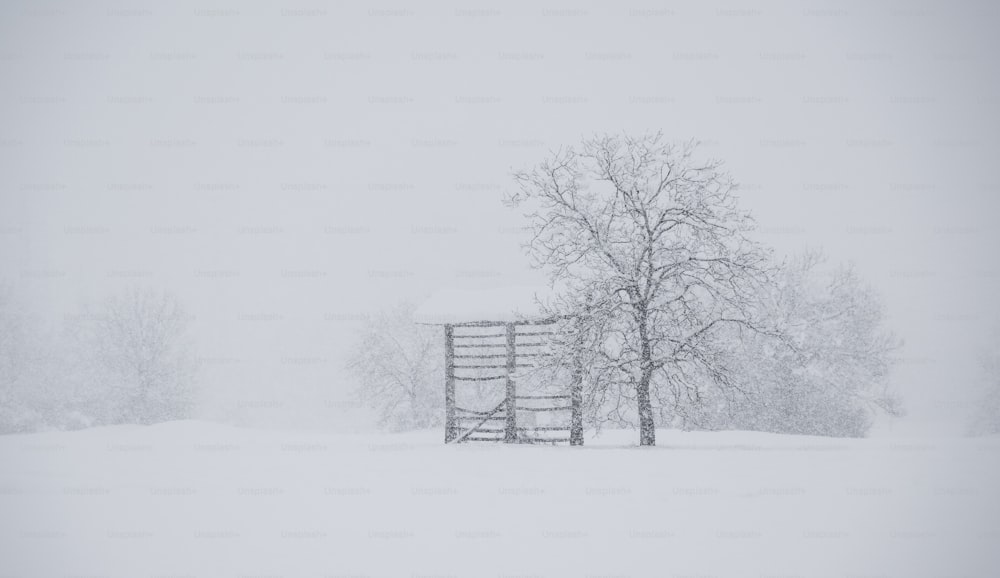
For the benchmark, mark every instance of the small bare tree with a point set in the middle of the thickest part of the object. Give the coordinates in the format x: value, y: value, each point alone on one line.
x: 133, y: 362
x: 652, y: 258
x: 400, y: 367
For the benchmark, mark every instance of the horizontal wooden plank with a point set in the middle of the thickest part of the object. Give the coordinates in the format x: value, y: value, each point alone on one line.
x: 532, y: 344
x: 479, y: 324
x: 550, y: 440
x: 543, y: 397
x: 475, y: 412
x: 546, y: 321
x: 481, y: 346
x: 549, y: 428
x: 484, y: 439
x: 526, y: 333
x: 497, y: 336
x: 473, y: 418
x: 491, y: 356
x: 519, y: 408
x: 489, y: 378
x: 525, y: 365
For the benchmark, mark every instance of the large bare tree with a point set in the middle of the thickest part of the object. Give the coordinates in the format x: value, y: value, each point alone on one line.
x: 651, y: 257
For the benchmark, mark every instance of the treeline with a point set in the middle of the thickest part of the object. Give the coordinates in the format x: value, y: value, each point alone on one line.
x: 125, y: 359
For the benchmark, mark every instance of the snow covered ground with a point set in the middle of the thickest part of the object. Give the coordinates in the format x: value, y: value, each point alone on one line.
x: 199, y: 499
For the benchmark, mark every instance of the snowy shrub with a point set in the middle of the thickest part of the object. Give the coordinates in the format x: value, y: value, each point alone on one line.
x: 822, y: 370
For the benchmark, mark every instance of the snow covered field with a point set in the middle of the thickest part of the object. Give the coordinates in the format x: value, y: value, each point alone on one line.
x: 198, y: 499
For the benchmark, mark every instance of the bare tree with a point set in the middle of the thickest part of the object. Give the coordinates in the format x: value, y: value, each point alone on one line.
x: 400, y: 367
x: 986, y: 419
x: 652, y: 258
x: 13, y: 368
x: 20, y: 407
x: 133, y: 362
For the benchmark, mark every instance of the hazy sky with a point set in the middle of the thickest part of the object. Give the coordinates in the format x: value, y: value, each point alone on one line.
x: 286, y: 167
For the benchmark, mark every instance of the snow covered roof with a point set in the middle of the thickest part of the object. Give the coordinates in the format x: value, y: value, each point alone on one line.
x: 510, y: 303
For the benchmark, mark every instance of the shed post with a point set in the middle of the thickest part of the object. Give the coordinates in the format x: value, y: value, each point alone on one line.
x: 450, y: 429
x: 510, y: 427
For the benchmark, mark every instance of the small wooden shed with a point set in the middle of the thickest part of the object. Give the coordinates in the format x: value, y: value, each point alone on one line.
x: 489, y: 338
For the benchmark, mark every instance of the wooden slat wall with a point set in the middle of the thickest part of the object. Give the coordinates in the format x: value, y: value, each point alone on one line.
x: 510, y: 345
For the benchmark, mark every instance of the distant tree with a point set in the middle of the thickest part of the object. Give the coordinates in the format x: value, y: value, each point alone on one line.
x: 986, y: 419
x: 25, y: 399
x: 133, y: 363
x: 823, y: 370
x: 653, y: 260
x: 12, y: 366
x: 400, y: 369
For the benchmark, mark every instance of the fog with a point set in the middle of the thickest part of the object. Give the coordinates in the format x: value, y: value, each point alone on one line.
x: 285, y: 169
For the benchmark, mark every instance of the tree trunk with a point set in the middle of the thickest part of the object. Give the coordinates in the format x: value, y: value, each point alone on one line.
x: 647, y: 427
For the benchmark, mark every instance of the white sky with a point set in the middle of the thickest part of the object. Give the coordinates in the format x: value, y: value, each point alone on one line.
x: 287, y: 167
